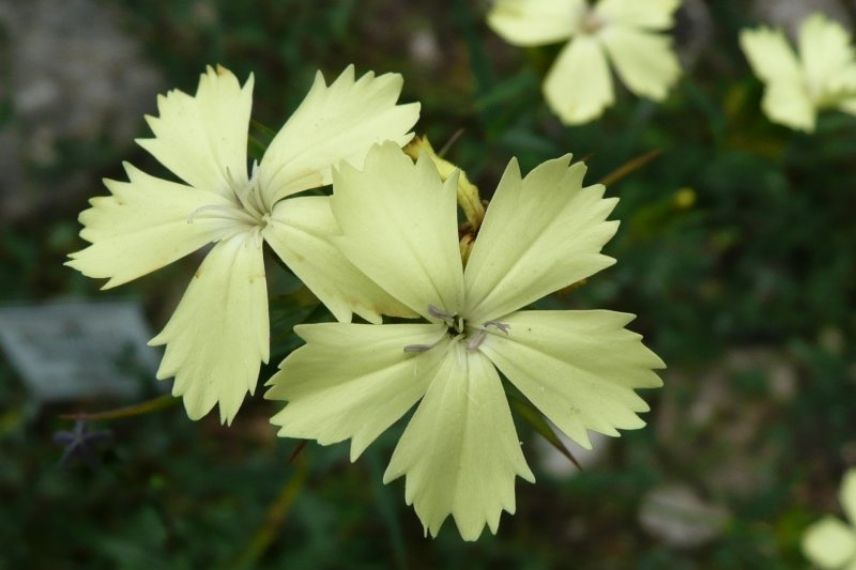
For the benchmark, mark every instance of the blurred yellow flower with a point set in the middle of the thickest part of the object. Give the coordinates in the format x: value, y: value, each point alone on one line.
x: 460, y: 452
x: 684, y: 198
x: 822, y: 77
x: 628, y: 32
x: 830, y: 544
x: 219, y: 335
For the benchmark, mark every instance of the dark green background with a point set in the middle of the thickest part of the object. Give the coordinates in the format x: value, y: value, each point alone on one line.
x: 760, y: 268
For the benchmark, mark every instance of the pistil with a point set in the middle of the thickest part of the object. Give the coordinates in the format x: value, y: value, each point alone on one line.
x: 249, y: 193
x: 457, y: 329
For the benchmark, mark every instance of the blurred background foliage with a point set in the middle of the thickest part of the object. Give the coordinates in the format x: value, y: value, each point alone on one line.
x: 736, y: 250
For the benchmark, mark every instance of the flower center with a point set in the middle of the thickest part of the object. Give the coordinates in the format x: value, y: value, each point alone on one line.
x: 250, y: 211
x: 459, y: 331
x: 591, y: 22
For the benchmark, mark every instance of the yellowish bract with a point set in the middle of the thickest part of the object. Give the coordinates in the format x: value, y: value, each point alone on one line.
x: 830, y: 543
x: 628, y: 32
x: 822, y: 76
x: 219, y: 335
x: 460, y: 452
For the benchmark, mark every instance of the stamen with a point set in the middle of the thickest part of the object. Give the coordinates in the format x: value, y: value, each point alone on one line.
x: 504, y: 327
x: 476, y: 340
x: 438, y: 313
x: 417, y: 348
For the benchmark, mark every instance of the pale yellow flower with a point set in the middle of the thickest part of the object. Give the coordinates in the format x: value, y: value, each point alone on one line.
x: 628, y: 32
x: 219, y: 335
x: 830, y: 543
x: 460, y: 451
x: 823, y: 76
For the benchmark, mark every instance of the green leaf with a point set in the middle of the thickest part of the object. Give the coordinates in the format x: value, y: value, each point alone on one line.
x: 528, y: 413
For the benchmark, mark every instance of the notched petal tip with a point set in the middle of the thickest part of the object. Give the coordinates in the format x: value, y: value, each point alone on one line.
x: 359, y: 444
x: 348, y: 76
x: 567, y: 160
x: 112, y: 283
x: 249, y: 84
x: 129, y: 168
x: 512, y: 171
x: 227, y: 417
x: 451, y: 183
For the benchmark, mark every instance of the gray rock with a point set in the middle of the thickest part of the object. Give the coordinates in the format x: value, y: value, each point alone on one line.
x: 73, y: 75
x: 676, y: 515
x: 693, y: 31
x: 789, y: 14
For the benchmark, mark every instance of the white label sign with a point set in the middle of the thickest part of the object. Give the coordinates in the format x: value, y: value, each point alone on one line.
x: 74, y: 350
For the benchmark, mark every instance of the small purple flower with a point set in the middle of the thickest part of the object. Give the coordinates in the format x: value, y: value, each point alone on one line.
x: 80, y: 442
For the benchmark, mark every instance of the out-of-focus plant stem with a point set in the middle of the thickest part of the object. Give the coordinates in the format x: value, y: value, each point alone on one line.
x: 630, y: 167
x: 147, y: 407
x: 274, y: 518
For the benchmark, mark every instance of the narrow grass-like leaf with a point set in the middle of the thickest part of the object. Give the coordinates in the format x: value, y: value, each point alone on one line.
x: 528, y: 413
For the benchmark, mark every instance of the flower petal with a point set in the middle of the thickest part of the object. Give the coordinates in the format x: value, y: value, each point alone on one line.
x: 786, y: 98
x: 829, y: 543
x: 770, y: 56
x: 788, y: 104
x: 334, y: 123
x: 579, y: 87
x: 203, y: 138
x: 301, y: 233
x: 535, y: 22
x: 645, y: 61
x: 144, y: 224
x: 220, y: 334
x: 848, y: 495
x: 400, y: 228
x: 352, y: 381
x: 580, y: 368
x: 540, y: 234
x: 460, y: 451
x: 650, y: 14
x: 825, y: 50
